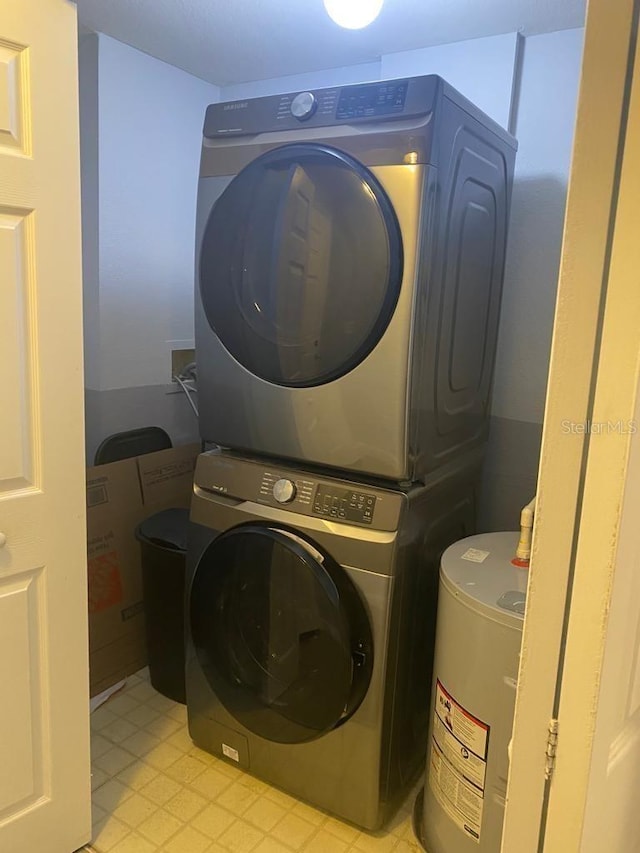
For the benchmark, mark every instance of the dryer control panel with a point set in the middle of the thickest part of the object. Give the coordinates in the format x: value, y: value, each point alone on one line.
x: 405, y: 98
x: 377, y: 99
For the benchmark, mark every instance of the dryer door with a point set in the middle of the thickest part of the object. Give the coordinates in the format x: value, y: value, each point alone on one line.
x: 301, y: 265
x: 280, y: 632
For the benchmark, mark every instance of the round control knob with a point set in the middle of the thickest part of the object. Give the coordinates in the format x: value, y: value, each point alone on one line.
x: 304, y: 105
x: 284, y: 491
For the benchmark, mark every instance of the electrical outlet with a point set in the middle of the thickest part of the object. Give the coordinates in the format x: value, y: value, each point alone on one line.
x: 180, y: 358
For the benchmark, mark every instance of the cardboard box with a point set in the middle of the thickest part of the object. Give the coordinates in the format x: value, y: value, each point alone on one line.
x: 119, y: 496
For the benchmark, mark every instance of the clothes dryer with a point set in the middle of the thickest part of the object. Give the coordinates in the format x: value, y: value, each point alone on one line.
x: 311, y: 620
x: 349, y: 261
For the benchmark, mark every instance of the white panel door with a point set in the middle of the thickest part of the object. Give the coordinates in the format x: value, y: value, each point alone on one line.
x: 611, y: 820
x: 534, y: 813
x: 595, y: 789
x: 44, y: 740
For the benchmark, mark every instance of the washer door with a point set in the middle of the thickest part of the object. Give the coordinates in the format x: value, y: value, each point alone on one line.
x: 280, y: 632
x: 301, y: 265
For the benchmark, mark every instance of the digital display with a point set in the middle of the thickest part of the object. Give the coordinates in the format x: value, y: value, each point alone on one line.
x: 372, y: 100
x: 344, y: 504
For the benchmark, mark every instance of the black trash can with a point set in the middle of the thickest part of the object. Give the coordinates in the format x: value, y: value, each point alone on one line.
x: 163, y: 541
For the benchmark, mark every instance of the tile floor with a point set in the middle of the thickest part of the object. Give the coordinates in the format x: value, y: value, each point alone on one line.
x: 153, y: 791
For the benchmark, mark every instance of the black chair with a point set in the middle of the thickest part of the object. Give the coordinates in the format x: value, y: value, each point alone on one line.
x: 133, y: 442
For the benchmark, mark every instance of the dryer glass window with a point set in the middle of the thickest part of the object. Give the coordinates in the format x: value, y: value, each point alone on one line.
x: 280, y: 633
x: 300, y: 265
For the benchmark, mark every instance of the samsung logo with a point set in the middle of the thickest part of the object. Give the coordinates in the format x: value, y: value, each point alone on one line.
x: 239, y: 105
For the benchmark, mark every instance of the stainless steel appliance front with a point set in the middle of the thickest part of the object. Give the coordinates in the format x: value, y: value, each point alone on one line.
x: 310, y: 634
x: 348, y: 277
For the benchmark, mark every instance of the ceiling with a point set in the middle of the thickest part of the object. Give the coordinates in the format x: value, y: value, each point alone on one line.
x: 234, y: 41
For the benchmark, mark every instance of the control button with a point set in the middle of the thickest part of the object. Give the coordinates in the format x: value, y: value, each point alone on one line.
x: 304, y: 106
x: 284, y: 491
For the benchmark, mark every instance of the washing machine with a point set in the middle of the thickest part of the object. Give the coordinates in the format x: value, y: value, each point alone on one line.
x: 310, y: 613
x: 349, y: 261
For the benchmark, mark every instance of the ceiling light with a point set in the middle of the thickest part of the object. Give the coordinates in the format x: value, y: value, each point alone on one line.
x: 353, y: 14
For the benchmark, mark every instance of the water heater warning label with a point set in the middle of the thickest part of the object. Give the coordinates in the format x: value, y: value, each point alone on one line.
x: 475, y: 555
x: 458, y: 766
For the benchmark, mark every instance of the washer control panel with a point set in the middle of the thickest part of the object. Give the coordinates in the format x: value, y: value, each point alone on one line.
x: 344, y: 504
x: 284, y: 490
x: 325, y: 499
x: 235, y: 480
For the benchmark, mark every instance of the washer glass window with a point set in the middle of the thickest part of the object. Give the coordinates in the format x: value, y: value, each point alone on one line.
x: 280, y: 632
x: 301, y: 265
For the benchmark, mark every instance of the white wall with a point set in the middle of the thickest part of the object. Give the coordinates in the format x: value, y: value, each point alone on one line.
x: 482, y: 69
x: 150, y: 119
x: 545, y: 118
x: 88, y: 103
x: 141, y: 130
x: 300, y: 82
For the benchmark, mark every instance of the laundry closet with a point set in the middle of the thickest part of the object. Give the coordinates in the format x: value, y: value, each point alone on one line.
x: 147, y: 219
x: 331, y: 405
x: 145, y: 216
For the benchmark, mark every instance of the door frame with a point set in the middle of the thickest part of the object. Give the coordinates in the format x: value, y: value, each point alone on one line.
x: 581, y: 478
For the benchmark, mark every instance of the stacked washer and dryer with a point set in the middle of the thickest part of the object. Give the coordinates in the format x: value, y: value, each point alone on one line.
x: 349, y: 263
